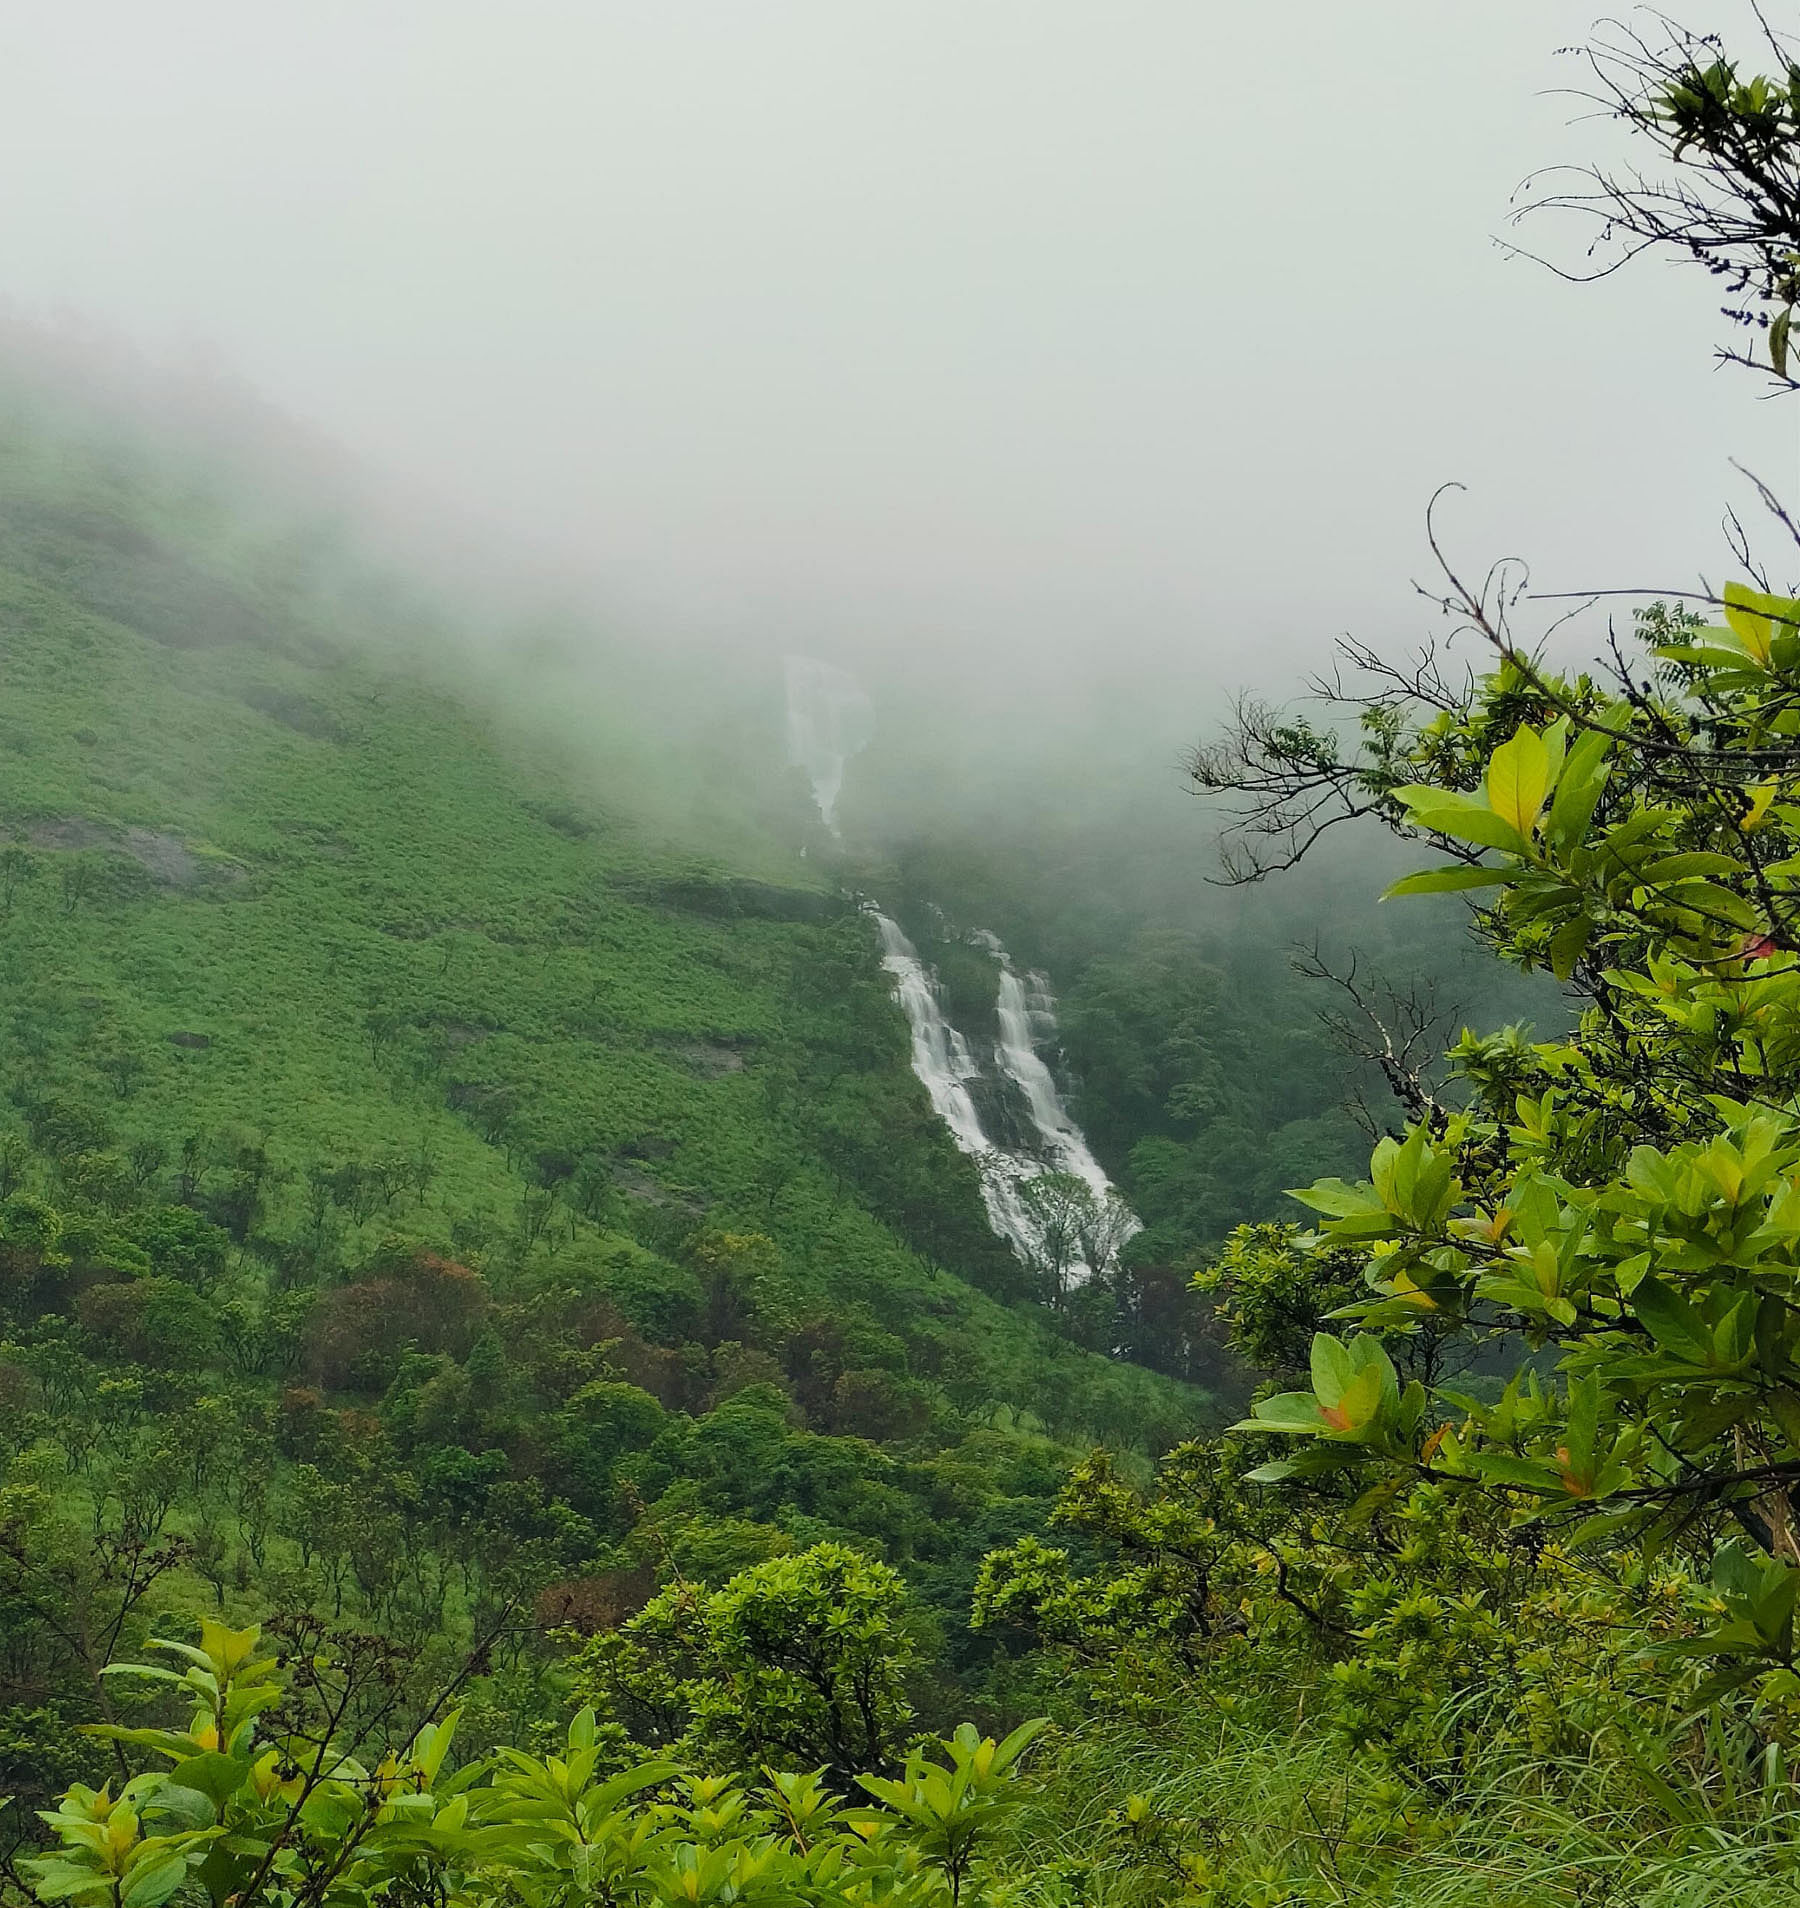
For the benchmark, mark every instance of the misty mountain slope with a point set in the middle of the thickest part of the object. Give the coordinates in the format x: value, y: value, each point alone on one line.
x: 322, y: 951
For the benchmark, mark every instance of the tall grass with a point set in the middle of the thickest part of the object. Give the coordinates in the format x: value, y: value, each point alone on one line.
x: 1262, y: 1810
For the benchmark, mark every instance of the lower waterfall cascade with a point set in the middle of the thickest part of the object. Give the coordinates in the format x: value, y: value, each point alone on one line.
x: 946, y: 1066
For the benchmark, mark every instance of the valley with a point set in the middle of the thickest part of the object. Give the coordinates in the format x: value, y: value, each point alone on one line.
x: 756, y: 1151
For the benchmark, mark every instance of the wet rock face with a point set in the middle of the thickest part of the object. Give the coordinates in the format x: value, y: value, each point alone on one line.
x: 68, y: 834
x: 166, y: 858
x: 297, y: 712
x: 711, y: 1060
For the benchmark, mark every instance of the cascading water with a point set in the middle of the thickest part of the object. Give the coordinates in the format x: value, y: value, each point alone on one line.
x: 829, y: 719
x: 1022, y: 1016
x: 946, y: 1065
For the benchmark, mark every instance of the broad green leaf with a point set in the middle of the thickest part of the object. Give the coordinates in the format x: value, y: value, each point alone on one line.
x: 1277, y: 1472
x: 1338, y: 1199
x: 1499, y: 1468
x: 217, y: 1777
x: 1334, y: 1369
x: 1359, y: 1405
x: 1448, y: 881
x: 151, y: 1883
x: 1295, y: 1412
x: 1653, y: 1174
x: 1683, y: 867
x: 1568, y: 944
x: 1464, y: 820
x: 1672, y: 1321
x: 1014, y: 1746
x: 1785, y: 1407
x: 56, y: 1881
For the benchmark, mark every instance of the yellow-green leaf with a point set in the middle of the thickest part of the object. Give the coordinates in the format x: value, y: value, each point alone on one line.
x: 1756, y: 620
x: 1518, y: 779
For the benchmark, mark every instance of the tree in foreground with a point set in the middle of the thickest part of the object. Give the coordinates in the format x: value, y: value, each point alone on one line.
x: 801, y: 1661
x: 261, y: 1800
x: 1521, y: 1503
x: 1613, y: 1215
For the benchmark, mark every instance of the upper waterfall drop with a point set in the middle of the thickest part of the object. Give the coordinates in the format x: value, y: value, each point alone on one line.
x: 829, y: 719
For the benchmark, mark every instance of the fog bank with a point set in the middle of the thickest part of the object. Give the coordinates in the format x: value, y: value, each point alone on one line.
x: 1120, y: 339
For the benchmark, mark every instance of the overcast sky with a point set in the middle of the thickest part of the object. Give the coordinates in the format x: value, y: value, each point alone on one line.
x: 1146, y: 326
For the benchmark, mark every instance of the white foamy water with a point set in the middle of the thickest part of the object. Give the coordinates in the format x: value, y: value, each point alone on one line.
x: 1022, y: 1015
x: 945, y: 1064
x: 829, y: 719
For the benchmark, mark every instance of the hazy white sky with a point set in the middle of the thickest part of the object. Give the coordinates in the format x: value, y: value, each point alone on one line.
x: 1129, y: 321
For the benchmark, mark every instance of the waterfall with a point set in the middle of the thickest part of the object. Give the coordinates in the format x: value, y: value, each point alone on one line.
x: 1022, y: 1016
x: 829, y: 719
x: 946, y: 1065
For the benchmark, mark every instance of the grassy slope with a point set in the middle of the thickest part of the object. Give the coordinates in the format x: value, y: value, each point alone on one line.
x: 403, y: 939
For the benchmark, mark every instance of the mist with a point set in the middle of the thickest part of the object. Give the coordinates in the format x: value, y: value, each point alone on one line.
x: 1059, y: 370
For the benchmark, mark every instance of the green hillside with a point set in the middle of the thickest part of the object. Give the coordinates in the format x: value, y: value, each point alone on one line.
x: 508, y: 1397
x: 270, y: 897
x: 425, y: 1180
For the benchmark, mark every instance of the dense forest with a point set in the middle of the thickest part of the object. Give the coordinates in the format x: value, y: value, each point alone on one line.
x: 508, y: 1391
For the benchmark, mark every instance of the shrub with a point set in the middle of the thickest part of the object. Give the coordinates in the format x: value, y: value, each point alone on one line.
x: 155, y: 1321
x: 177, y: 1241
x: 800, y: 1660
x: 419, y: 1302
